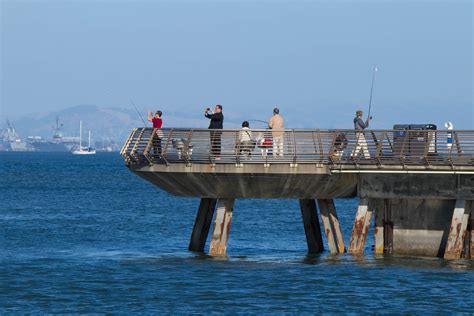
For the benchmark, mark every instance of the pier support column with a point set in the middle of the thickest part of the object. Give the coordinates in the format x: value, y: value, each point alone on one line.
x: 202, y: 224
x: 379, y: 227
x: 311, y: 226
x: 220, y: 233
x: 471, y: 240
x: 361, y: 227
x: 383, y: 227
x: 458, y: 230
x: 332, y: 228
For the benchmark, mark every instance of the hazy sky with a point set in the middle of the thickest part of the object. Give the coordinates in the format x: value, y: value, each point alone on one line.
x: 313, y: 59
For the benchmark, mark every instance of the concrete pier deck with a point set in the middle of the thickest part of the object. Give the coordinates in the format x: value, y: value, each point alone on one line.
x: 416, y: 182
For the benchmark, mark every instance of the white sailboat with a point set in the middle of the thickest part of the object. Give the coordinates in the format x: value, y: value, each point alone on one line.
x: 83, y: 150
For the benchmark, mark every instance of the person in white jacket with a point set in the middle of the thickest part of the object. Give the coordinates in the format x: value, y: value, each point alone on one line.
x: 245, y: 140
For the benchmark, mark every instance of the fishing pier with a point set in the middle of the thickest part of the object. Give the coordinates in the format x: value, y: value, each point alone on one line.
x: 416, y: 185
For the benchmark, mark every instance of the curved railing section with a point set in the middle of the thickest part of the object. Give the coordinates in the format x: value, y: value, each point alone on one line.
x: 300, y: 146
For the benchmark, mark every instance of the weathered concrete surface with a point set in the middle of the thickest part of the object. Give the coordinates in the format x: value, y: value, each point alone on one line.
x: 221, y: 230
x: 471, y: 229
x: 420, y: 226
x: 361, y: 226
x: 382, y: 228
x: 250, y: 181
x: 458, y: 230
x: 332, y: 228
x: 312, y: 229
x: 428, y: 186
x: 202, y: 224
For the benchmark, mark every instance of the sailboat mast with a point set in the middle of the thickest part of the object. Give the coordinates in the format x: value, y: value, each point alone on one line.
x: 80, y: 135
x: 89, y: 140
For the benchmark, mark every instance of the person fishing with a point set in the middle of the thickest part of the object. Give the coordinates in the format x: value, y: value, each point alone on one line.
x: 360, y: 126
x: 275, y: 123
x: 157, y: 122
x: 361, y: 143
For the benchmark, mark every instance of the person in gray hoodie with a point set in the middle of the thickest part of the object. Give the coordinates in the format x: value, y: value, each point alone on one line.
x: 361, y: 143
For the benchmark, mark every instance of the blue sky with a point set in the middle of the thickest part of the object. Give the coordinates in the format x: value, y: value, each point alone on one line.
x: 313, y: 59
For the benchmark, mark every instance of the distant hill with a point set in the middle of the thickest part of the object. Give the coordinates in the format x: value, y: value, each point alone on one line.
x: 112, y: 123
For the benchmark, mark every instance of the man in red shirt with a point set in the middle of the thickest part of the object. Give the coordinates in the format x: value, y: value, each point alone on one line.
x: 157, y: 123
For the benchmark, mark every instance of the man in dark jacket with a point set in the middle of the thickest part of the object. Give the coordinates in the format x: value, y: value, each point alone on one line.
x: 217, y: 122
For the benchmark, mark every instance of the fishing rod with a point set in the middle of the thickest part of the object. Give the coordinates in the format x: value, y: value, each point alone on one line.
x: 259, y: 121
x: 138, y: 112
x: 371, y: 91
x: 370, y: 105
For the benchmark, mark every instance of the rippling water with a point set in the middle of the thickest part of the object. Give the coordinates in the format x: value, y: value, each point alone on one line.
x: 82, y: 234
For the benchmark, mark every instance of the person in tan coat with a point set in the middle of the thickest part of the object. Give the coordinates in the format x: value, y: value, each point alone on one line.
x: 275, y: 123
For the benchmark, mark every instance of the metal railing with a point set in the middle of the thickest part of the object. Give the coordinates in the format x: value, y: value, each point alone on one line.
x: 296, y: 146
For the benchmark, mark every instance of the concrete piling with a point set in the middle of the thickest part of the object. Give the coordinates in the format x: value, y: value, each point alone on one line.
x: 331, y: 225
x: 458, y: 230
x: 361, y: 227
x: 222, y: 221
x: 202, y: 224
x: 311, y: 226
x: 471, y: 240
x: 379, y: 226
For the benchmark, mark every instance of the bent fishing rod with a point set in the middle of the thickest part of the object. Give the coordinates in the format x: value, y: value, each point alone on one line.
x: 138, y: 112
x: 371, y: 91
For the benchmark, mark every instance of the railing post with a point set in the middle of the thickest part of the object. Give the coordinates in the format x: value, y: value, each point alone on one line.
x: 427, y: 147
x: 186, y: 148
x: 458, y: 144
x: 237, y: 149
x: 331, y: 149
x: 164, y: 152
x: 402, y: 158
x: 148, y: 145
x: 137, y: 142
x: 127, y: 143
x: 379, y: 148
x: 294, y: 146
x: 320, y: 141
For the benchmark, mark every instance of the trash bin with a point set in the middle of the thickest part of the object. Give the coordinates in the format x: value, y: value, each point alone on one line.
x: 400, y: 142
x: 420, y: 135
x: 412, y: 139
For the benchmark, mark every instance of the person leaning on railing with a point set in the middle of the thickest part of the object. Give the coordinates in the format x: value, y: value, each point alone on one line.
x: 217, y: 122
x: 361, y: 143
x: 275, y: 123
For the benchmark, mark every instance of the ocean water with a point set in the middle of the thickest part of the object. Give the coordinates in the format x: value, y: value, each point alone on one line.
x: 82, y: 234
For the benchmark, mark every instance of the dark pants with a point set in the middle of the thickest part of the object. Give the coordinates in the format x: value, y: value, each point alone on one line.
x: 157, y: 146
x: 156, y: 142
x: 216, y: 143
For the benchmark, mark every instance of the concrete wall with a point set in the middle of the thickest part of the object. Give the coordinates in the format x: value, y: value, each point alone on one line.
x: 417, y: 185
x: 250, y: 181
x: 420, y: 226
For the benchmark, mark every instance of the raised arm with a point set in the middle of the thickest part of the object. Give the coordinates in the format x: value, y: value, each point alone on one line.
x: 150, y: 117
x: 206, y: 113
